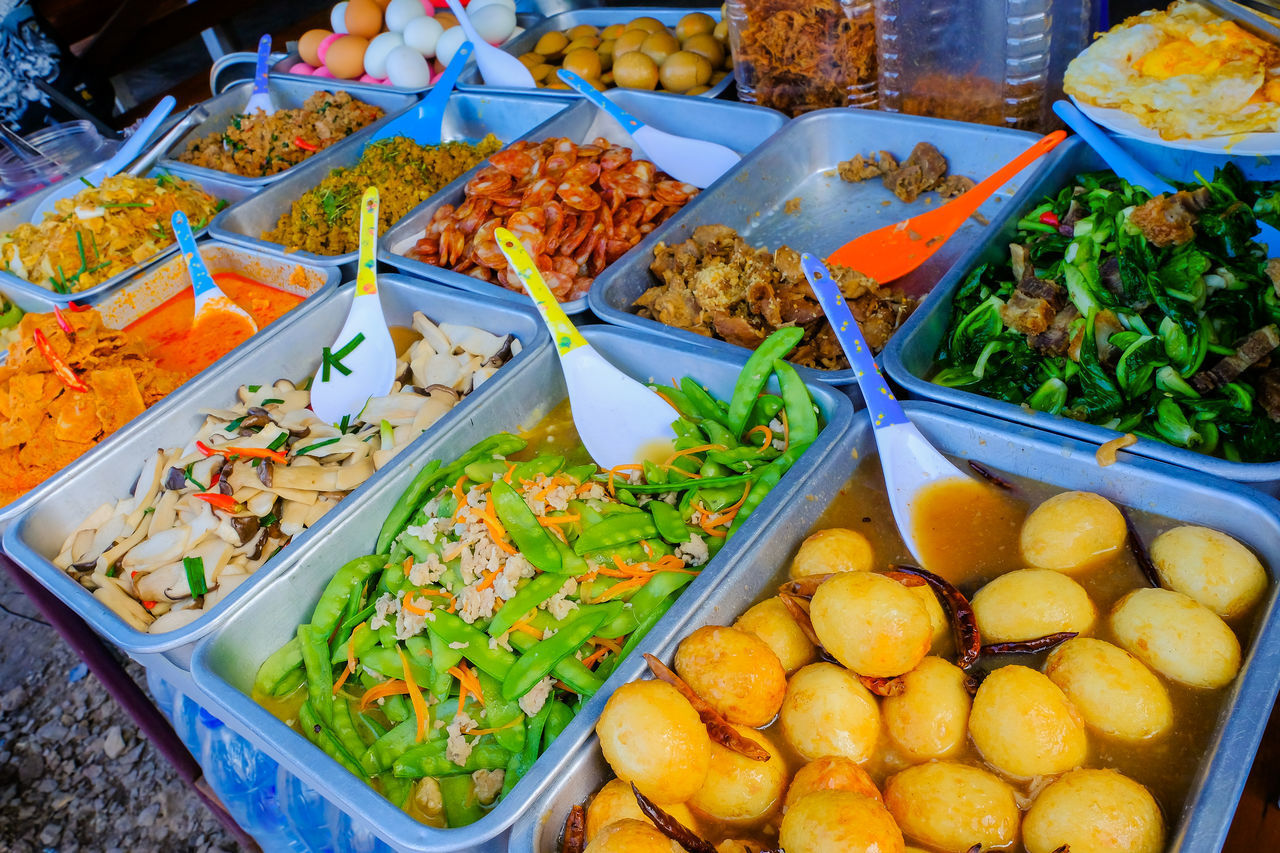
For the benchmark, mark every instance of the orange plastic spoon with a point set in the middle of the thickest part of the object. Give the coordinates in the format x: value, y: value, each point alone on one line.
x: 895, y: 250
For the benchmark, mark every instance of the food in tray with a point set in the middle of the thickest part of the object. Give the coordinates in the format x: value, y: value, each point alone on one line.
x: 718, y: 285
x: 206, y: 515
x: 576, y: 208
x: 508, y: 583
x: 1153, y: 316
x: 259, y: 145
x: 642, y: 53
x: 10, y: 316
x: 868, y: 703
x: 102, y: 231
x: 181, y: 346
x: 925, y: 169
x: 68, y: 383
x: 1185, y: 73
x: 326, y: 219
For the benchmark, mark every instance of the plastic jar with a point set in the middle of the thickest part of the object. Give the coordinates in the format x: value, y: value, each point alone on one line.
x: 69, y: 148
x: 802, y: 55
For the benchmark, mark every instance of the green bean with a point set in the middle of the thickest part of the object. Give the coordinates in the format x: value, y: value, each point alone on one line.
x: 668, y: 521
x: 577, y: 677
x: 450, y: 628
x: 704, y: 405
x: 802, y: 421
x: 755, y: 374
x: 277, y: 668
x: 615, y: 530
x: 529, y: 596
x: 345, y: 583
x: 643, y: 489
x: 522, y: 525
x: 344, y: 729
x: 503, y: 715
x: 520, y: 764
x: 407, y: 504
x: 428, y: 759
x: 314, y: 643
x: 561, y: 716
x: 442, y: 657
x: 382, y: 753
x: 545, y: 465
x: 660, y: 587
x: 768, y: 479
x: 315, y: 730
x: 461, y: 807
x: 676, y: 398
x: 482, y: 472
x: 765, y: 409
x: 539, y: 661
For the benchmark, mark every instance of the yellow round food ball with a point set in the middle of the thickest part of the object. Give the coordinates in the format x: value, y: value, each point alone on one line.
x: 1024, y: 726
x: 831, y: 773
x: 873, y: 625
x: 773, y: 623
x: 836, y: 549
x: 706, y: 45
x: 584, y: 62
x: 741, y: 790
x: 612, y: 31
x: 616, y: 801
x: 1071, y: 532
x: 1211, y: 567
x: 721, y: 31
x: 1032, y: 603
x: 647, y: 24
x: 632, y: 836
x: 693, y: 24
x: 658, y: 46
x: 1177, y: 636
x: 930, y: 718
x: 634, y: 70
x: 839, y: 822
x: 651, y: 735
x: 1110, y: 688
x: 582, y: 31
x: 942, y: 640
x: 953, y: 806
x: 1094, y: 811
x: 551, y: 44
x: 736, y: 672
x: 827, y: 711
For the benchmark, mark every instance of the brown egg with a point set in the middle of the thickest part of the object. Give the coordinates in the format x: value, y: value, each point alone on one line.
x: 646, y: 23
x: 346, y: 57
x: 629, y: 41
x: 693, y: 24
x: 308, y: 44
x: 582, y: 31
x: 584, y: 62
x: 605, y: 52
x: 721, y: 30
x: 531, y: 60
x: 588, y: 41
x: 612, y: 31
x: 634, y: 70
x: 543, y: 73
x: 551, y: 44
x: 706, y: 45
x: 658, y: 46
x: 683, y: 70
x: 364, y: 19
x: 446, y: 19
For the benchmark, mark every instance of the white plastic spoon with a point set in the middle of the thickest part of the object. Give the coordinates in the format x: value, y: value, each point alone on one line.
x: 497, y: 67
x: 260, y: 99
x: 909, y: 461
x: 209, y: 297
x: 362, y: 362
x: 617, y: 418
x: 694, y: 161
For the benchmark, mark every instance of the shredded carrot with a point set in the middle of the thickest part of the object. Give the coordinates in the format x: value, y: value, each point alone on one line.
x: 623, y: 586
x: 392, y: 687
x: 442, y: 593
x: 407, y: 603
x: 560, y: 685
x: 553, y: 483
x: 506, y: 478
x: 552, y: 520
x: 768, y: 434
x: 486, y: 581
x: 525, y: 628
x: 631, y: 466
x: 415, y: 696
x: 468, y: 684
x: 595, y: 656
x: 648, y: 549
x: 453, y: 552
x: 666, y: 399
x: 351, y: 660
x: 691, y: 450
x: 786, y: 429
x: 407, y: 565
x: 496, y: 531
x: 606, y: 643
x: 479, y: 732
x: 585, y: 487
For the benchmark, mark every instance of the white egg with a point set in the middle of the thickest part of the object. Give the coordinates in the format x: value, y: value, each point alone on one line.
x: 422, y: 34
x: 448, y: 44
x: 400, y: 12
x: 407, y: 68
x: 494, y: 22
x: 338, y: 18
x: 375, y: 55
x: 476, y: 4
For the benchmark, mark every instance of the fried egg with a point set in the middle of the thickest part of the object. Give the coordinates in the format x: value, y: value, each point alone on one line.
x: 1184, y: 72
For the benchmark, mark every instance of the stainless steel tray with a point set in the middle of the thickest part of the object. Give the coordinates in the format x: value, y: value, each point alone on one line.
x: 799, y: 162
x: 467, y: 117
x: 739, y: 126
x: 287, y: 94
x: 225, y: 663
x: 16, y: 214
x: 1150, y: 486
x: 908, y: 358
x: 598, y: 17
x: 289, y: 349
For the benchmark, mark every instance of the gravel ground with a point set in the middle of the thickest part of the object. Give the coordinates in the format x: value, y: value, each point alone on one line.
x: 75, y: 773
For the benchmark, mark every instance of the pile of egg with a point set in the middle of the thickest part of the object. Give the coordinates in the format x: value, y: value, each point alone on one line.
x: 393, y: 42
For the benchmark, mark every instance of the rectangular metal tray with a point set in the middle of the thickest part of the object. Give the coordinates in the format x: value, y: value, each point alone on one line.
x: 286, y: 94
x: 1150, y: 486
x: 467, y: 117
x: 290, y: 349
x: 741, y: 127
x: 799, y: 162
x: 908, y: 359
x: 471, y: 80
x: 225, y: 663
x: 16, y: 214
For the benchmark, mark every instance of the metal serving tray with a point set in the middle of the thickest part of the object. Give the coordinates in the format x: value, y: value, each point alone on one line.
x: 467, y: 117
x: 14, y: 215
x: 799, y: 162
x: 289, y: 349
x: 1140, y: 483
x: 908, y: 359
x: 599, y: 17
x: 287, y: 94
x: 225, y: 664
x: 739, y: 126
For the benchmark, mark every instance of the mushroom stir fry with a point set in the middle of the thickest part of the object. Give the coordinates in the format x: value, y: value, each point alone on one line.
x: 205, y: 516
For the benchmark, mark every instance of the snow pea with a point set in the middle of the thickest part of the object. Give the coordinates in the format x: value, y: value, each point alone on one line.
x: 764, y: 410
x: 407, y: 504
x: 668, y: 521
x: 383, y: 752
x: 704, y: 405
x: 502, y: 714
x: 755, y: 375
x: 535, y: 664
x: 277, y: 669
x: 428, y: 759
x: 561, y: 715
x: 442, y: 657
x: 482, y: 472
x: 718, y: 433
x: 529, y: 596
x: 768, y: 479
x: 345, y: 583
x: 545, y: 465
x: 615, y: 530
x: 580, y: 679
x: 314, y: 644
x: 450, y: 628
x: 571, y: 564
x: 676, y: 398
x: 739, y: 479
x: 461, y: 806
x: 659, y: 588
x: 523, y: 761
x: 319, y: 734
x: 802, y: 421
x: 522, y: 525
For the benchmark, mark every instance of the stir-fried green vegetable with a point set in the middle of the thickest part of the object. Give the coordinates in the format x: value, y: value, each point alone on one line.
x: 507, y: 586
x: 1156, y: 317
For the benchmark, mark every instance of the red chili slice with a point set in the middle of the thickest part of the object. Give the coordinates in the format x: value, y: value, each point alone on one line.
x: 1050, y: 218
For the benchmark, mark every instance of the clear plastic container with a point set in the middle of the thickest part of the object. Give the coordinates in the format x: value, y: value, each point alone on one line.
x: 997, y: 62
x: 802, y: 55
x: 68, y: 148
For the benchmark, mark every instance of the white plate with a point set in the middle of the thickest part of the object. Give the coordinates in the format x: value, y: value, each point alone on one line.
x: 1240, y: 144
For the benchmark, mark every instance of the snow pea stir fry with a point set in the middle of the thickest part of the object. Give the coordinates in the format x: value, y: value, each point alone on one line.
x: 1153, y: 316
x: 507, y: 584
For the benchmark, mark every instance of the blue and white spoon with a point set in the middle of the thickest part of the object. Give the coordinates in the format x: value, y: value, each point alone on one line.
x: 209, y: 297
x: 260, y: 99
x: 693, y: 161
x: 424, y: 124
x: 909, y: 461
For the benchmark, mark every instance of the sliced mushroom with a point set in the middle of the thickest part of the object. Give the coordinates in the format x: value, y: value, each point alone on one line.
x: 227, y: 584
x: 472, y: 340
x: 131, y: 611
x: 165, y: 547
x: 245, y: 526
x: 165, y: 514
x: 175, y: 619
x: 431, y: 334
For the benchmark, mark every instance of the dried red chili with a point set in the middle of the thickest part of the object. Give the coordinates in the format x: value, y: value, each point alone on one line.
x: 60, y: 368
